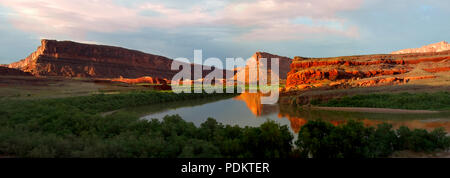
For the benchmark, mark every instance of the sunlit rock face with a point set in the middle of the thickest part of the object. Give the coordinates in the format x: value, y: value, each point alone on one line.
x: 284, y: 62
x: 365, y: 70
x: 148, y: 80
x: 72, y: 59
x: 251, y: 72
x: 436, y: 47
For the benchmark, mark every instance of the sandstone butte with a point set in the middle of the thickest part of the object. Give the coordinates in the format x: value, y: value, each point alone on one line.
x: 284, y: 67
x: 366, y: 70
x: 72, y: 59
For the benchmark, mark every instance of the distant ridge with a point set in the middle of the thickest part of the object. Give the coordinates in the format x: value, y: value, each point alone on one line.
x: 436, y: 47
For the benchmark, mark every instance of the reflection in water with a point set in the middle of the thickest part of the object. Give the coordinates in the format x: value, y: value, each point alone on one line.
x: 247, y: 110
x: 253, y: 101
x: 299, y: 116
x: 425, y: 121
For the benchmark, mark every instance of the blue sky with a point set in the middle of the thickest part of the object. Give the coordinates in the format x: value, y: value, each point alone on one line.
x: 226, y: 28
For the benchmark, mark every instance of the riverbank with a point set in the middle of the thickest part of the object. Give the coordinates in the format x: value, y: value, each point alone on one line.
x: 374, y: 110
x: 438, y: 101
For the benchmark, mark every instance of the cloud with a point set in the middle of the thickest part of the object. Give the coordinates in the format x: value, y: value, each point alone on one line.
x: 275, y: 19
x: 259, y: 20
x: 261, y: 12
x: 76, y: 18
x: 285, y: 31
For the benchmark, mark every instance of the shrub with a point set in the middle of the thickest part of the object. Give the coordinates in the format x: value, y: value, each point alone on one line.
x: 352, y: 140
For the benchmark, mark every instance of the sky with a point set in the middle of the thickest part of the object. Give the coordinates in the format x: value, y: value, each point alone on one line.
x: 226, y: 28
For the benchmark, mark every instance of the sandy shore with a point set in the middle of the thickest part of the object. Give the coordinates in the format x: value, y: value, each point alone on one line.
x: 375, y: 110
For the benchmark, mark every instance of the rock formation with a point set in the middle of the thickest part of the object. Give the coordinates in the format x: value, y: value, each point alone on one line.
x: 149, y: 80
x: 436, y: 47
x: 284, y: 67
x: 5, y: 71
x: 284, y: 62
x: 366, y: 70
x: 71, y: 59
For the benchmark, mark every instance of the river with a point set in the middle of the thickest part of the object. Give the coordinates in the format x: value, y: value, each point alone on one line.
x: 247, y: 110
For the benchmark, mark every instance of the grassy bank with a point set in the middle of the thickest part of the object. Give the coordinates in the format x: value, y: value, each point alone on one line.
x: 421, y: 101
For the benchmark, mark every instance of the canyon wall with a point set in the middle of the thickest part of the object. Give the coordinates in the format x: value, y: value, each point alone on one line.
x: 365, y: 70
x: 284, y: 62
x: 71, y: 59
x: 284, y: 67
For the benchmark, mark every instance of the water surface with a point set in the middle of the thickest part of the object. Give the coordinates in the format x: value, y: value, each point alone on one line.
x: 247, y: 110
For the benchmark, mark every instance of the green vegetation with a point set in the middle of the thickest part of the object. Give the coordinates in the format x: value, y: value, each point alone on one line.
x: 320, y: 139
x: 427, y: 101
x: 74, y: 127
x: 97, y: 103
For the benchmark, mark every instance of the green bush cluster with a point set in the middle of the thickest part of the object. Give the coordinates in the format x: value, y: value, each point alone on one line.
x: 74, y: 127
x: 428, y: 101
x: 320, y: 139
x: 122, y: 135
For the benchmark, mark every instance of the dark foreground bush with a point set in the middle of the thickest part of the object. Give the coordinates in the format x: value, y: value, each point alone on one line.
x: 320, y: 139
x: 74, y: 127
x: 125, y: 136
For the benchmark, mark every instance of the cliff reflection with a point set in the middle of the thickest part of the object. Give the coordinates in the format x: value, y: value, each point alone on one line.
x: 298, y: 116
x: 253, y: 101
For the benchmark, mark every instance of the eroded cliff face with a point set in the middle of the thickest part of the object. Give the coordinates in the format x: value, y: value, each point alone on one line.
x: 364, y: 71
x: 436, y: 47
x: 71, y: 59
x: 284, y: 67
x: 284, y: 62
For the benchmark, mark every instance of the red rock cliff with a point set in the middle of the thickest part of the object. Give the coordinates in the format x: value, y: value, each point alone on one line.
x: 366, y: 70
x: 284, y: 66
x: 284, y: 62
x: 71, y: 59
